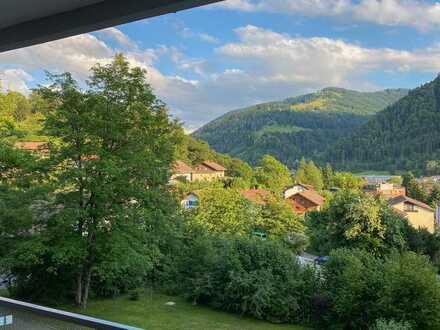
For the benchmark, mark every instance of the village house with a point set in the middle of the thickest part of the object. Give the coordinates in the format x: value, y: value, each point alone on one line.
x: 387, y: 190
x: 181, y: 170
x: 299, y: 187
x: 303, y: 198
x: 206, y: 171
x: 306, y: 201
x: 419, y: 215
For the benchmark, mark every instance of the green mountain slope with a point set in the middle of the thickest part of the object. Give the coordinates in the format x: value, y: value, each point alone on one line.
x: 402, y: 137
x: 302, y: 126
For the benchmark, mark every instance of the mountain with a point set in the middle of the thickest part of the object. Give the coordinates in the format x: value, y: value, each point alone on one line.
x: 402, y: 137
x: 302, y: 126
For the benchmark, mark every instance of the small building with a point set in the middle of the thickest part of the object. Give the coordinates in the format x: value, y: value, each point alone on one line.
x: 190, y: 201
x: 306, y: 201
x: 257, y: 196
x: 299, y: 187
x: 181, y: 170
x: 419, y: 214
x: 208, y: 171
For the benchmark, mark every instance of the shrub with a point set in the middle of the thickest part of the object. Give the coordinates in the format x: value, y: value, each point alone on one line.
x: 248, y: 276
x: 362, y: 288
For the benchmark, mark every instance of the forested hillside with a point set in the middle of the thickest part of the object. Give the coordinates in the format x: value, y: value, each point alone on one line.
x: 402, y: 137
x: 297, y: 127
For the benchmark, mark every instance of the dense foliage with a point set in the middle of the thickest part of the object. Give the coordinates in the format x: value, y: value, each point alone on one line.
x: 354, y: 220
x: 298, y: 127
x: 405, y: 136
x: 246, y: 276
x: 362, y: 290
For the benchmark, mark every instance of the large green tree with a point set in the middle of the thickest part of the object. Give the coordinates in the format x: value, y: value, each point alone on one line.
x: 112, y: 146
x: 272, y: 174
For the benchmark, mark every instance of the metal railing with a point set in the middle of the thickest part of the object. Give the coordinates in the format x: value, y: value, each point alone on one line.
x: 59, y: 315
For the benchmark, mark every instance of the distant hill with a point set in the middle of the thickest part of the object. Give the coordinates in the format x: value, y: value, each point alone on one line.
x: 302, y: 126
x: 402, y: 137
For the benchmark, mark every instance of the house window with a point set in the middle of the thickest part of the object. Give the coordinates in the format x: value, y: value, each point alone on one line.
x: 410, y: 207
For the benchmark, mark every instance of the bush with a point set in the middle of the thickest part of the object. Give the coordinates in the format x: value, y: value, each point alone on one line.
x: 362, y: 288
x: 248, y: 276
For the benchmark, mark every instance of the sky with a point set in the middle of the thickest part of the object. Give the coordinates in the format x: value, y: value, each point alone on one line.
x: 206, y: 61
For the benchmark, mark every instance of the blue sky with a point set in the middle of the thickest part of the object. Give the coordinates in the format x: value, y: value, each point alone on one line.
x: 207, y: 61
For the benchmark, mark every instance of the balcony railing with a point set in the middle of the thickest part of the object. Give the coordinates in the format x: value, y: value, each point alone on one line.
x: 21, y: 315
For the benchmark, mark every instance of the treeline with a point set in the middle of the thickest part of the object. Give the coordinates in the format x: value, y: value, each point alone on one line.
x: 298, y: 127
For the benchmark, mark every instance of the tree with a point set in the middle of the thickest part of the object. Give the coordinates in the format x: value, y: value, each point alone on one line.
x: 112, y: 146
x: 279, y: 221
x: 347, y: 180
x: 327, y: 176
x: 314, y: 176
x: 225, y: 211
x: 434, y: 197
x: 301, y: 174
x: 433, y: 167
x: 272, y: 174
x: 413, y: 188
x: 353, y: 220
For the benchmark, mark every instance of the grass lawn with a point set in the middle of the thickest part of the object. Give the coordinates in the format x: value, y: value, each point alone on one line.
x: 151, y: 313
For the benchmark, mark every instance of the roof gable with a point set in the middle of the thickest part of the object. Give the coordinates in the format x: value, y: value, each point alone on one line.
x: 213, y: 165
x: 312, y: 196
x: 406, y: 199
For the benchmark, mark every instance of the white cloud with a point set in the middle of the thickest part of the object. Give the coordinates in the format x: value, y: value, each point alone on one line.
x: 416, y: 13
x: 77, y: 55
x: 262, y: 65
x: 320, y: 61
x: 120, y: 37
x: 186, y: 32
x: 15, y: 79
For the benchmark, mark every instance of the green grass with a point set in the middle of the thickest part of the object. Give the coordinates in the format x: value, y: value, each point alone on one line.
x: 150, y: 312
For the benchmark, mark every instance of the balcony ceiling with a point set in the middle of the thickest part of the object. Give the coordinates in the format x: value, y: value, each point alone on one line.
x: 27, y: 22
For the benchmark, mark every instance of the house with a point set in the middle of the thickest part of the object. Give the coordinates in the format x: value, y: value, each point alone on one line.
x: 419, y: 215
x: 40, y: 148
x: 181, y: 170
x: 190, y: 201
x: 257, y: 196
x: 299, y: 187
x: 387, y: 190
x: 206, y: 171
x: 306, y: 201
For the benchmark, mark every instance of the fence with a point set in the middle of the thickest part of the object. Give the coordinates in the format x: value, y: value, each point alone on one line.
x: 15, y: 315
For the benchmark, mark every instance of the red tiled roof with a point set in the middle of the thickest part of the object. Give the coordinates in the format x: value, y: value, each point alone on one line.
x: 312, y: 196
x: 180, y: 167
x: 257, y: 196
x: 214, y: 165
x: 297, y: 207
x: 32, y: 146
x: 406, y: 199
x: 90, y: 157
